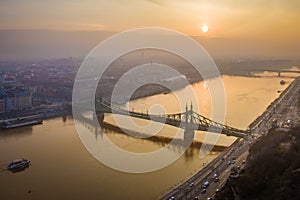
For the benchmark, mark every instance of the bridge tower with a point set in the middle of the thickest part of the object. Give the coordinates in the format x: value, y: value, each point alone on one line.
x: 99, y: 108
x: 189, y: 131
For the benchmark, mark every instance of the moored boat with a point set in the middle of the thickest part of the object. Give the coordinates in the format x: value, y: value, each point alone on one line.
x: 20, y: 123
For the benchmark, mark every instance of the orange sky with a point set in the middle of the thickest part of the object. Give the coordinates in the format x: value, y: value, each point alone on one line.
x: 267, y: 23
x: 225, y: 18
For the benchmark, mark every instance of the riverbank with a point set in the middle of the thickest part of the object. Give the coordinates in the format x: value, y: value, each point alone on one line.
x: 273, y: 155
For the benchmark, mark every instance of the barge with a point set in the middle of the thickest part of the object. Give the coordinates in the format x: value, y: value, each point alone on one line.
x: 20, y: 123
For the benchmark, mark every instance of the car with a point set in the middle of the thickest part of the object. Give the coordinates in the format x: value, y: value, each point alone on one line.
x: 203, y: 191
x: 216, y: 179
x: 214, y: 176
x: 217, y: 190
x: 191, y: 184
x: 205, y: 184
x: 172, y: 198
x: 209, y: 198
x: 196, y: 198
x: 229, y: 162
x: 232, y: 173
x: 244, y: 161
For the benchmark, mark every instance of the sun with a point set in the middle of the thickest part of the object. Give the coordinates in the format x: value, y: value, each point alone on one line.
x: 204, y: 28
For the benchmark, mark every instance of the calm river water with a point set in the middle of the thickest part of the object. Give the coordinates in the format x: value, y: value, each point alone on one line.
x: 63, y: 169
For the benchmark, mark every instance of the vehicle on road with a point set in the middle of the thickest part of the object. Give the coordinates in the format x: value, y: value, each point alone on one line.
x: 205, y: 184
x: 214, y: 176
x: 203, y: 191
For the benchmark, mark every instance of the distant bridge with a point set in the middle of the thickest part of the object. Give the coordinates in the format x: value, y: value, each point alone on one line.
x: 278, y: 71
x: 188, y: 120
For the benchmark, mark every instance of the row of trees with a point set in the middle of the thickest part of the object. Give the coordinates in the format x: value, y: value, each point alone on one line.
x: 272, y: 170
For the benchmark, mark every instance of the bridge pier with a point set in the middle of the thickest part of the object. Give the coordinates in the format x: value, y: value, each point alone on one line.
x: 99, y: 109
x: 189, y: 134
x: 99, y: 117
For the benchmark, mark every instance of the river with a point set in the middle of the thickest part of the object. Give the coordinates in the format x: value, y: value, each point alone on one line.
x: 63, y: 169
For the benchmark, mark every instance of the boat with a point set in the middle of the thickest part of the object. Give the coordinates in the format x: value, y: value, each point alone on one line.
x: 20, y: 123
x: 282, y: 82
x: 18, y: 164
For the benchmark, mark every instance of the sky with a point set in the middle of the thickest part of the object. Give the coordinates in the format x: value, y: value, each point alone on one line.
x: 269, y: 25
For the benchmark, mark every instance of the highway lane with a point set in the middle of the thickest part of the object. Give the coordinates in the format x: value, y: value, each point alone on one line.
x: 193, y: 187
x: 223, y: 171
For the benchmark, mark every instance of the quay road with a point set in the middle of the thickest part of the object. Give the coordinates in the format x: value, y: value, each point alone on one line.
x: 279, y: 111
x: 276, y: 114
x: 193, y: 188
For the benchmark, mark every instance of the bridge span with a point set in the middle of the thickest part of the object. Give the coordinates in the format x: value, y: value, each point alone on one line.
x: 189, y: 120
x: 278, y: 71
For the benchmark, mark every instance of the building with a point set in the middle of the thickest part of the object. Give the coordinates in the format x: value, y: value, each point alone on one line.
x: 9, y: 101
x: 9, y: 82
x: 1, y: 77
x: 17, y: 99
x: 23, y: 99
x: 2, y: 101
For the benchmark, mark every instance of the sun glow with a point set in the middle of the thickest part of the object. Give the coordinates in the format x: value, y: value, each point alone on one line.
x: 204, y: 28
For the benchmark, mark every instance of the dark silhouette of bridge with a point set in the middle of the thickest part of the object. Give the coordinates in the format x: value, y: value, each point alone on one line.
x: 278, y: 71
x: 189, y: 120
